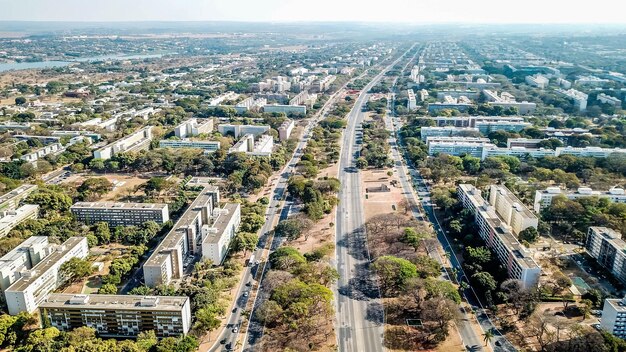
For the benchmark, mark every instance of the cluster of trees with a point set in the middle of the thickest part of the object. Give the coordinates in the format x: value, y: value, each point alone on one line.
x: 324, y: 142
x: 375, y: 152
x: 299, y: 312
x: 318, y: 196
x: 379, y: 105
x: 120, y: 267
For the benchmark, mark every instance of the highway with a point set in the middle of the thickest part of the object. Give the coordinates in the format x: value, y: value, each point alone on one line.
x: 360, y: 316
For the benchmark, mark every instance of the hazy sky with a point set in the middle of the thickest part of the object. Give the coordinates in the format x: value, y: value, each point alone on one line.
x: 415, y: 11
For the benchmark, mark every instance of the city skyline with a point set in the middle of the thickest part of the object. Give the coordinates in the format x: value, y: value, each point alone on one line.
x: 399, y: 11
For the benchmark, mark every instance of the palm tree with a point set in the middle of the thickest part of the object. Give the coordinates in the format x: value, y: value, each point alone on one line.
x: 487, y: 336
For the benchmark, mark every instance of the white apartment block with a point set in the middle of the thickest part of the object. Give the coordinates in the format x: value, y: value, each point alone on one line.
x: 34, y: 285
x: 286, y: 109
x: 21, y: 259
x: 11, y: 218
x: 538, y: 81
x: 262, y: 146
x: 12, y: 199
x: 544, y: 198
x: 411, y: 103
x: 607, y: 99
x: 511, y: 209
x: 457, y: 146
x: 472, y: 121
x: 207, y: 146
x: 520, y: 152
x: 614, y: 317
x: 447, y: 131
x: 222, y: 98
x: 120, y: 214
x: 139, y: 140
x: 591, y: 81
x: 250, y: 104
x: 200, y: 224
x: 216, y: 237
x: 324, y: 83
x: 284, y: 131
x: 523, y: 142
x: 608, y: 249
x: 579, y: 98
x: 487, y: 126
x: 42, y: 152
x: 119, y: 315
x: 506, y: 100
x: 498, y: 236
x: 192, y: 128
x: 239, y: 130
x: 594, y: 152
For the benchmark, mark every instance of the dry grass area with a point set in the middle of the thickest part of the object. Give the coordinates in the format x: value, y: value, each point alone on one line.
x: 124, y: 185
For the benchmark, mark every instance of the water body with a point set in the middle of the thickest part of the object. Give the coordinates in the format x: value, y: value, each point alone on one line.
x: 52, y: 64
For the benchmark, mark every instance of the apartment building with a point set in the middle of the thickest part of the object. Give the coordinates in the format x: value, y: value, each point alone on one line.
x: 22, y: 258
x: 524, y: 142
x: 284, y: 131
x: 544, y: 198
x: 262, y: 146
x: 520, y: 152
x: 286, y: 109
x: 137, y: 141
x: 447, y: 131
x: 250, y: 104
x: 207, y: 146
x: 42, y: 152
x: 507, y: 100
x: 34, y: 285
x: 474, y: 146
x: 118, y: 316
x: 120, y: 214
x: 499, y: 236
x: 222, y: 98
x: 11, y: 200
x: 579, y: 98
x: 471, y: 121
x: 11, y: 218
x: 511, y: 209
x: 608, y: 249
x: 594, y: 152
x: 538, y: 81
x: 216, y: 238
x: 411, y: 104
x: 239, y: 130
x: 188, y: 236
x: 461, y: 104
x: 488, y: 126
x: 614, y: 317
x: 192, y: 128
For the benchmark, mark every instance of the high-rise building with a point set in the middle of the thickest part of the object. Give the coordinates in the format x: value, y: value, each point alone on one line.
x: 614, y: 317
x: 607, y: 247
x: 21, y: 259
x: 511, y: 209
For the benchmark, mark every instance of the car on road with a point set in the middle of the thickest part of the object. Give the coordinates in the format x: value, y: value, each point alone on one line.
x: 249, y: 283
x: 235, y: 330
x: 222, y: 341
x: 245, y: 294
x: 235, y: 310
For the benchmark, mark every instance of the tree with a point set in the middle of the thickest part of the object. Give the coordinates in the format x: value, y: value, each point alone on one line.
x: 529, y: 234
x: 488, y: 336
x: 108, y: 289
x: 244, y: 241
x: 76, y: 269
x: 94, y: 188
x: 102, y: 232
x: 292, y: 228
x: 146, y: 340
x: 484, y: 281
x: 20, y: 101
x: 394, y: 272
x: 413, y: 238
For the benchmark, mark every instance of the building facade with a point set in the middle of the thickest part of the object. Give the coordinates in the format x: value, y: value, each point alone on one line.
x: 120, y: 214
x: 544, y: 198
x: 608, y: 249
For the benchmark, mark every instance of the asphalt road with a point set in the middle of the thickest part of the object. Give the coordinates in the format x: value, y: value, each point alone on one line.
x: 360, y: 315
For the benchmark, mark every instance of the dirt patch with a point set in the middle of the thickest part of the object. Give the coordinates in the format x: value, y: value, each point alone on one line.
x: 125, y: 187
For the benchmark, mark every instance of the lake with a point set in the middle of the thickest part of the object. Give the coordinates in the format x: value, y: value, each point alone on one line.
x: 52, y: 64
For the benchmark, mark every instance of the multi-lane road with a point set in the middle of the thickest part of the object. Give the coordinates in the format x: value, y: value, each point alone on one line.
x: 360, y: 314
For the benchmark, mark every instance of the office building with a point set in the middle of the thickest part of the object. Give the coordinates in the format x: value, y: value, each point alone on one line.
x: 511, y: 209
x: 13, y: 217
x: 578, y: 98
x: 137, y: 141
x: 187, y: 237
x: 411, y: 103
x: 447, y: 131
x: 538, y: 81
x: 262, y: 146
x: 206, y: 146
x: 34, y: 285
x: 284, y: 131
x: 11, y: 200
x: 21, y: 259
x: 498, y: 236
x: 608, y: 249
x: 120, y: 214
x: 118, y: 316
x: 240, y: 130
x: 192, y: 128
x: 614, y: 317
x: 544, y: 198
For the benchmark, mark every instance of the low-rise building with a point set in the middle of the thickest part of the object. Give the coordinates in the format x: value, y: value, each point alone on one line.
x: 461, y: 104
x: 471, y: 121
x: 544, y: 198
x: 498, y: 236
x: 118, y: 316
x: 488, y: 126
x: 608, y: 249
x: 11, y: 218
x: 594, y: 152
x: 34, y: 285
x: 523, y: 142
x: 120, y: 214
x: 139, y: 140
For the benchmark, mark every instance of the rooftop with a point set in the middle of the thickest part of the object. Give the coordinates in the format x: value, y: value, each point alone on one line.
x: 118, y: 205
x: 222, y: 220
x: 115, y: 302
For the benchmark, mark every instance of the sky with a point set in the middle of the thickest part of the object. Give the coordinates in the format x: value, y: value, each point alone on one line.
x: 405, y: 11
